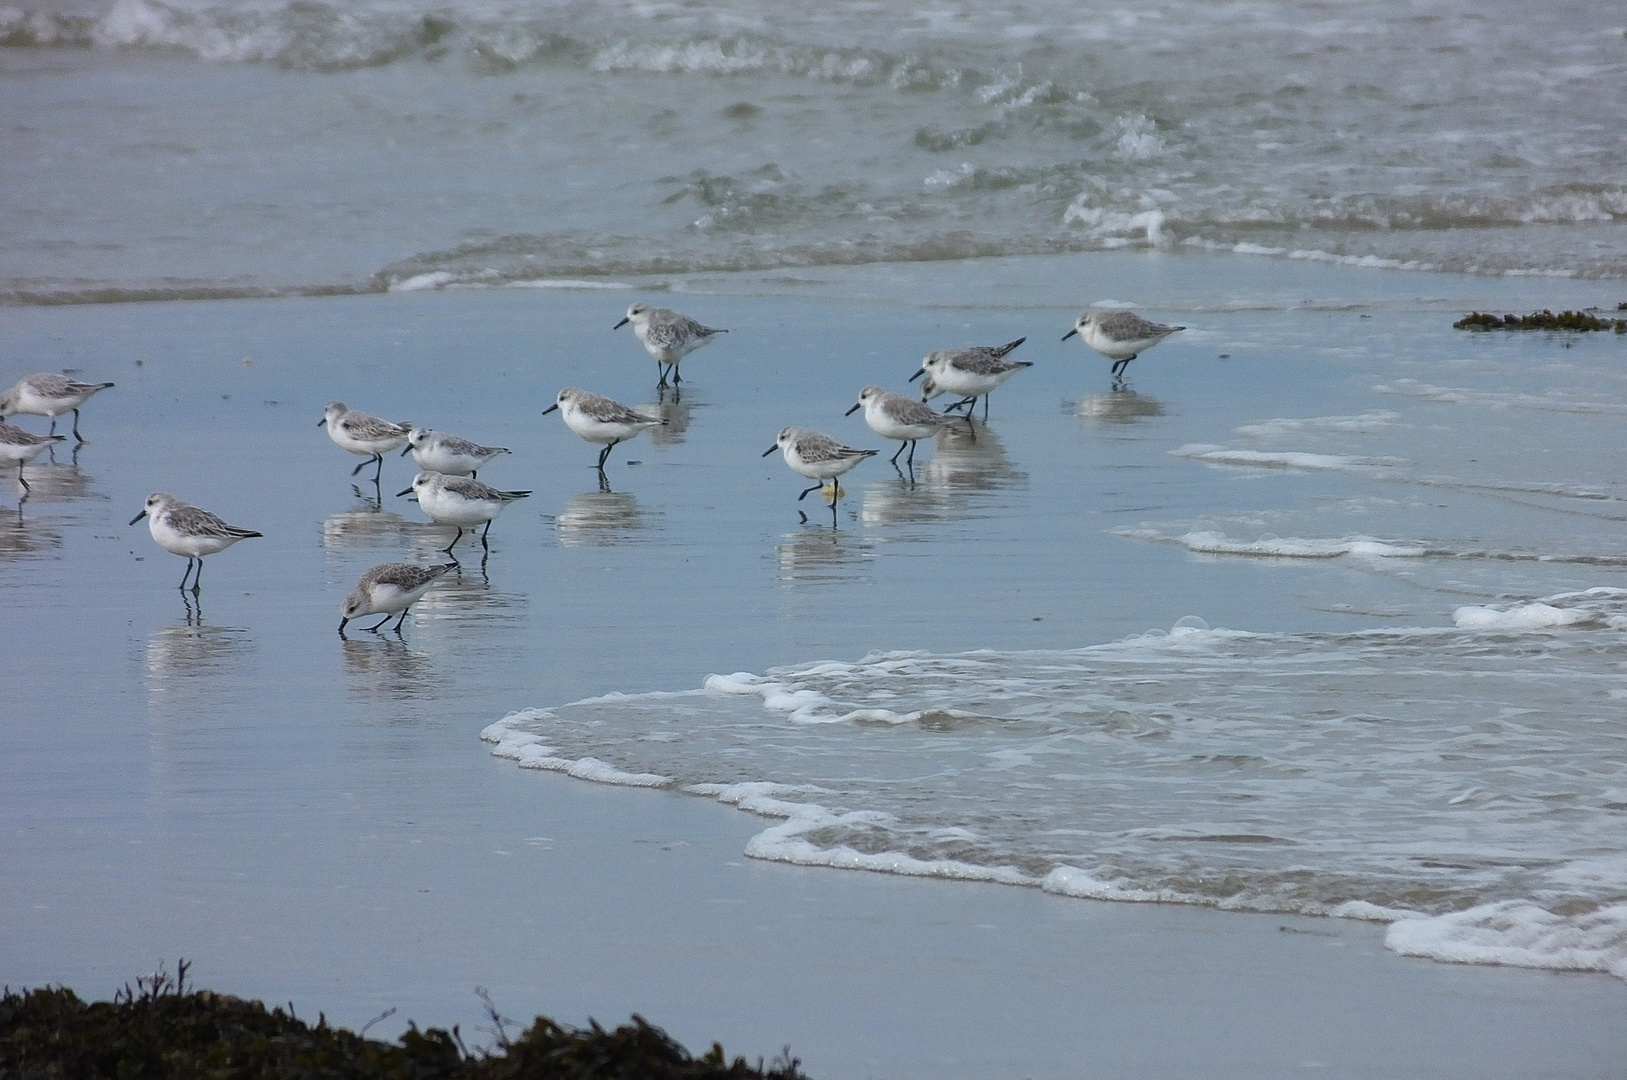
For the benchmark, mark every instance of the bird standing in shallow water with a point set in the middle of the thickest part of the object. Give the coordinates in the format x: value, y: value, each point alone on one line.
x: 183, y: 529
x: 971, y: 373
x: 599, y: 419
x: 364, y: 434
x: 388, y: 588
x: 1119, y: 335
x: 50, y: 395
x: 461, y: 501
x: 22, y: 447
x: 818, y: 457
x: 894, y: 416
x: 667, y: 336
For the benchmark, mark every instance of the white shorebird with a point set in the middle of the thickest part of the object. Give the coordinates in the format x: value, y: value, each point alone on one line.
x: 667, y: 336
x: 895, y: 416
x: 971, y: 373
x: 1119, y: 335
x: 388, y: 588
x: 50, y: 395
x: 437, y: 451
x: 183, y: 529
x: 364, y: 434
x: 818, y: 457
x: 461, y: 501
x: 599, y: 419
x: 22, y: 447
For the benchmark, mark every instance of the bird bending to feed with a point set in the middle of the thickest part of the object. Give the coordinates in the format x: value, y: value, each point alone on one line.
x: 388, y: 588
x: 22, y: 447
x: 50, y: 395
x: 667, y: 336
x: 183, y: 529
x: 818, y: 457
x: 460, y: 501
x: 895, y: 416
x: 599, y: 419
x: 1119, y: 335
x: 364, y: 434
x: 971, y: 373
x: 440, y: 452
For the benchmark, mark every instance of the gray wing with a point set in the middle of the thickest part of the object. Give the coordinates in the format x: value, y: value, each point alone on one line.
x: 470, y: 488
x: 463, y: 446
x: 909, y: 411
x: 609, y: 411
x: 198, y: 522
x: 404, y: 576
x: 366, y: 426
x: 674, y: 330
x: 16, y: 436
x: 814, y: 446
x: 1128, y: 326
x: 979, y: 360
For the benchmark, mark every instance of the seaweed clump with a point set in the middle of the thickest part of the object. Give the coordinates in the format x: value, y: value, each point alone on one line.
x: 164, y: 1029
x: 1540, y: 320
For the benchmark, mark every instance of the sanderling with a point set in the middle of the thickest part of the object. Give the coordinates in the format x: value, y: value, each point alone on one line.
x: 388, y: 588
x: 20, y: 446
x: 599, y: 419
x: 894, y: 416
x: 818, y: 457
x: 436, y: 451
x: 460, y: 501
x: 50, y: 395
x: 971, y: 373
x: 1119, y: 335
x: 667, y: 336
x: 364, y: 434
x: 183, y: 529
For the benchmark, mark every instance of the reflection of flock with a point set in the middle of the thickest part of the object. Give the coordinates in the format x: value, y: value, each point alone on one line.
x: 449, y: 492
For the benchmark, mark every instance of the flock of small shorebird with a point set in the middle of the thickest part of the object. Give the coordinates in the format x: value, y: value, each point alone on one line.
x: 447, y: 487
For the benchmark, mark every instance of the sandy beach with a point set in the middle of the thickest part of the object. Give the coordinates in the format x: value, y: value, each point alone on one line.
x: 313, y: 820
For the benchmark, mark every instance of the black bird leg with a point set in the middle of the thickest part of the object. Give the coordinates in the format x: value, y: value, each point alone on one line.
x: 448, y: 548
x: 810, y: 491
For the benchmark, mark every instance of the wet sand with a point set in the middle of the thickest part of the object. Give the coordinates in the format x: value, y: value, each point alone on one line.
x: 314, y: 820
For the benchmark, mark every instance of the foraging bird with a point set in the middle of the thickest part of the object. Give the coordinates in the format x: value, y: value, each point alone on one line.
x: 599, y: 419
x: 50, y: 395
x: 894, y: 416
x: 461, y: 501
x: 364, y: 434
x: 1119, y: 335
x: 183, y: 529
x: 667, y: 336
x: 388, y: 588
x: 971, y: 373
x: 818, y: 457
x: 436, y: 451
x: 22, y: 447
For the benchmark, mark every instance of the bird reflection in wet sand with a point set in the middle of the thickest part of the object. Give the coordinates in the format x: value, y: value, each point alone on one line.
x: 972, y: 460
x: 55, y: 481
x: 181, y: 657
x: 675, y: 417
x: 20, y: 539
x: 816, y: 555
x: 366, y: 525
x: 1119, y: 407
x: 600, y: 517
x: 387, y: 669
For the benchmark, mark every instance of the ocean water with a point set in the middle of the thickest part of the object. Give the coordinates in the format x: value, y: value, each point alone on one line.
x: 202, y: 148
x: 1323, y: 614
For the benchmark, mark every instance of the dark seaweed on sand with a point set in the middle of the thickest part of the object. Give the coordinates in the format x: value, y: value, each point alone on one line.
x: 163, y: 1029
x: 1540, y: 320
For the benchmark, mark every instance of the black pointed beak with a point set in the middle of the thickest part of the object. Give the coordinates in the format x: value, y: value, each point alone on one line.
x: 771, y: 449
x: 856, y: 407
x: 138, y: 517
x: 322, y: 421
x: 918, y: 373
x: 401, y: 493
x: 405, y: 450
x: 621, y: 324
x: 550, y: 408
x: 1070, y: 333
x: 342, y: 623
